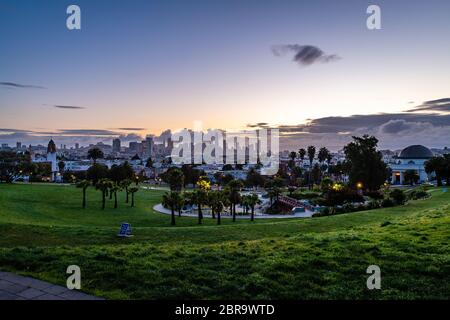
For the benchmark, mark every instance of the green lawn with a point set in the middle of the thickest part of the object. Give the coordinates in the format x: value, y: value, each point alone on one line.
x: 43, y: 230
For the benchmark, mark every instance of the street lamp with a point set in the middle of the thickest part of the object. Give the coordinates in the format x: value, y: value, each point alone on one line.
x: 359, y: 186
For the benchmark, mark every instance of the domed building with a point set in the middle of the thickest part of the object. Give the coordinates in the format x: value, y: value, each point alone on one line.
x: 411, y: 158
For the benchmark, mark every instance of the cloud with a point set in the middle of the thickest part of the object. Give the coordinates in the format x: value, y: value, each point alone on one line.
x: 404, y: 127
x: 304, y: 54
x: 88, y: 132
x: 130, y: 129
x: 440, y: 105
x: 394, y: 131
x: 68, y: 107
x: 10, y: 130
x: 258, y: 125
x: 18, y: 85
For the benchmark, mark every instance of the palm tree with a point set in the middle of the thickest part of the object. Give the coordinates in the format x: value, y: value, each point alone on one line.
x: 253, y: 200
x: 217, y: 203
x: 113, y: 190
x: 175, y: 178
x: 235, y: 187
x: 94, y: 154
x: 411, y: 177
x: 302, y: 154
x: 311, y: 155
x: 103, y: 185
x: 211, y: 198
x: 293, y: 155
x: 84, y: 185
x: 133, y: 190
x: 110, y: 187
x: 436, y: 165
x: 125, y: 184
x: 172, y: 200
x: 245, y: 203
x: 274, y: 193
x: 198, y: 197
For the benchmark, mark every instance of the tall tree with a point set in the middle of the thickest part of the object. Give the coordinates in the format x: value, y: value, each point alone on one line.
x: 175, y: 178
x: 217, y: 201
x: 253, y: 200
x: 323, y: 154
x: 103, y: 185
x: 96, y: 172
x: 84, y: 185
x: 198, y: 197
x: 132, y: 191
x: 125, y: 184
x: 114, y: 189
x: 311, y: 155
x: 411, y: 177
x: 235, y: 187
x: 301, y: 154
x: 365, y: 163
x: 171, y: 200
x: 95, y: 154
x: 437, y: 166
x: 254, y: 179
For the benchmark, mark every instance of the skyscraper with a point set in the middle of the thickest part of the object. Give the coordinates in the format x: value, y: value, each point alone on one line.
x: 147, y: 147
x: 116, y: 145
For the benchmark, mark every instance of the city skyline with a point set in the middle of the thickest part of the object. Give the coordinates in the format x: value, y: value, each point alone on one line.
x: 175, y: 63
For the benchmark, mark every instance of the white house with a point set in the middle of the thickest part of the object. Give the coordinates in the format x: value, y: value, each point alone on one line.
x: 411, y: 158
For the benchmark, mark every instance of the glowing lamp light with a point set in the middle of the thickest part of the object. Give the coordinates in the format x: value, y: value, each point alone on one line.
x: 359, y: 185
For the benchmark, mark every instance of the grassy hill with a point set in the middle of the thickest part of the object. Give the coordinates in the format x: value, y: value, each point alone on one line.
x: 43, y: 230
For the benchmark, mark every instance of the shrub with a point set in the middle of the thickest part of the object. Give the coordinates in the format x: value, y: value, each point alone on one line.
x: 348, y: 207
x: 339, y: 197
x: 374, y: 204
x: 418, y: 194
x: 398, y: 196
x: 304, y: 195
x: 387, y: 203
x: 325, y: 211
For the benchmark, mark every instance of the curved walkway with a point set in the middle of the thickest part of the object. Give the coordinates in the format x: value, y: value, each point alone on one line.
x: 258, y: 215
x: 15, y: 287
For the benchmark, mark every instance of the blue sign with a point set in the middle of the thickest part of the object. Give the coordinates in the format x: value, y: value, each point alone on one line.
x: 125, y: 230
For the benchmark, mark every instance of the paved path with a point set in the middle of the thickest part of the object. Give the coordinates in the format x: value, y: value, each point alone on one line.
x: 159, y: 207
x: 15, y: 287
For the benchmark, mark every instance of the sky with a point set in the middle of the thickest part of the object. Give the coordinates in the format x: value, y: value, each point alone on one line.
x: 307, y: 67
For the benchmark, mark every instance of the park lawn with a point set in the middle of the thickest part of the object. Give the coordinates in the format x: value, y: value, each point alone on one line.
x: 44, y: 230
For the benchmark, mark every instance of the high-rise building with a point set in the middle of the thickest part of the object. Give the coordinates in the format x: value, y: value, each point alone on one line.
x: 134, y: 147
x: 116, y: 145
x: 147, y: 147
x: 77, y: 145
x: 19, y: 145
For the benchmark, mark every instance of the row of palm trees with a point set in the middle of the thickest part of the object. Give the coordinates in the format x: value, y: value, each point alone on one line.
x: 216, y: 200
x: 109, y: 188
